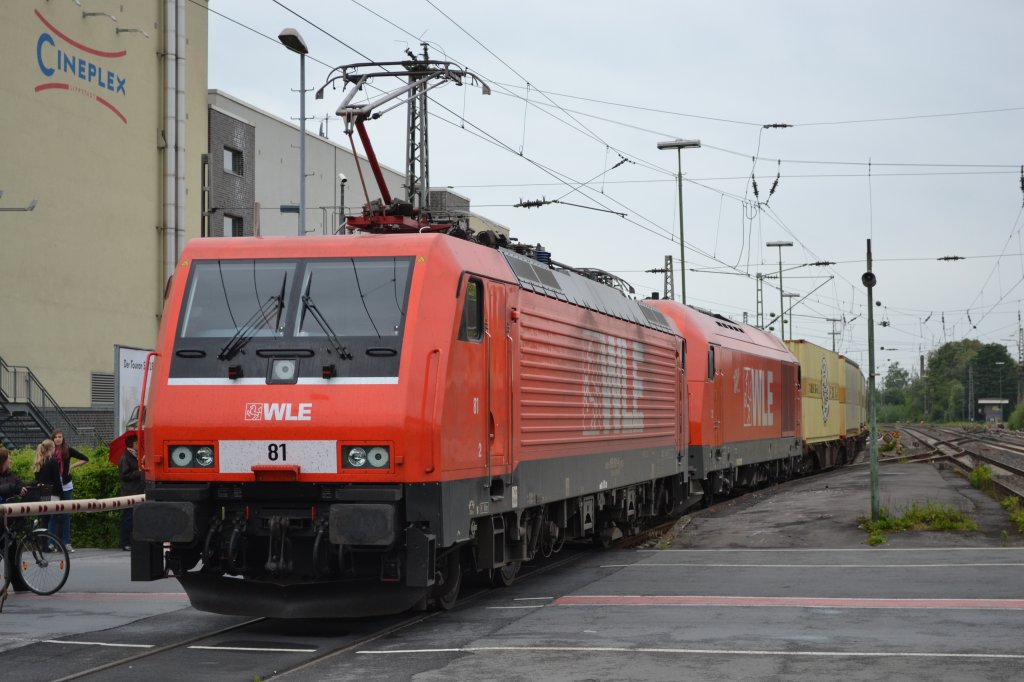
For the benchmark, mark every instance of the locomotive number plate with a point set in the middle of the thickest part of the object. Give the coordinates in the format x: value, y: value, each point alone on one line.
x: 311, y: 456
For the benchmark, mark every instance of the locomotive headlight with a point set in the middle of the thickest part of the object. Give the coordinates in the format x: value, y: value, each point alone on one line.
x: 378, y: 457
x: 357, y: 457
x: 283, y: 371
x: 204, y: 456
x: 184, y: 456
x: 181, y: 456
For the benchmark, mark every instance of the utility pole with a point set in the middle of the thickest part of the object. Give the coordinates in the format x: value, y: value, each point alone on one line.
x: 869, y: 280
x: 970, y: 389
x: 417, y: 176
x: 833, y: 333
x: 669, y: 291
x: 760, y: 301
x: 670, y: 280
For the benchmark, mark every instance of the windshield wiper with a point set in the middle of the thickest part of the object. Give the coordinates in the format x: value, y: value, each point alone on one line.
x: 259, y: 320
x: 308, y: 304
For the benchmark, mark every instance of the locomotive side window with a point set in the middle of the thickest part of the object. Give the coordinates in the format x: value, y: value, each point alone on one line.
x: 711, y: 362
x: 472, y: 326
x: 226, y: 296
x: 356, y: 297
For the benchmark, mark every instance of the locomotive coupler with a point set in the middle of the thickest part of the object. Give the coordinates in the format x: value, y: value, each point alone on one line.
x: 278, y: 561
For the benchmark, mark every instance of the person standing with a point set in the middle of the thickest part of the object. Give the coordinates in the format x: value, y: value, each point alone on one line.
x: 133, y: 482
x: 47, y: 469
x: 60, y: 524
x: 10, y: 484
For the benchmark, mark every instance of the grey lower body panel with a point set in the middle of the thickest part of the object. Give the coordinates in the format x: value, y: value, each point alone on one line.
x: 705, y: 459
x: 536, y: 482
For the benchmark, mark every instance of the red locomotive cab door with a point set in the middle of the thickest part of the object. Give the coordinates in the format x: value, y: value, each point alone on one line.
x: 465, y: 420
x: 498, y: 332
x: 715, y: 384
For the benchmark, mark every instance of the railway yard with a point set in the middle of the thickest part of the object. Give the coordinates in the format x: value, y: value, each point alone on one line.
x: 776, y: 584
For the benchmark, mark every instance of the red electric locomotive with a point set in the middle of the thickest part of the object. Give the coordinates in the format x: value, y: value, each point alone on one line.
x: 343, y: 425
x: 744, y: 402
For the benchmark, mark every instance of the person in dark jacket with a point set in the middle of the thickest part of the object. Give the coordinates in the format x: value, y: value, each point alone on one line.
x: 10, y: 484
x: 47, y: 469
x: 133, y: 482
x: 60, y: 524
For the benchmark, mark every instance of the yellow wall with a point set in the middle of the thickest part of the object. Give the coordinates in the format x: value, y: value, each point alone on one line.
x: 81, y: 271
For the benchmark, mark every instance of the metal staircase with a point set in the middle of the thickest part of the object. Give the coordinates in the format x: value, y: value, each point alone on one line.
x: 28, y: 413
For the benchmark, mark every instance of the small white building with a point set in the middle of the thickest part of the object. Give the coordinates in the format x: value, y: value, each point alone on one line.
x: 993, y: 409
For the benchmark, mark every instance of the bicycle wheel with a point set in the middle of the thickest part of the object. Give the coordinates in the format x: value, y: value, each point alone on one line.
x: 42, y: 560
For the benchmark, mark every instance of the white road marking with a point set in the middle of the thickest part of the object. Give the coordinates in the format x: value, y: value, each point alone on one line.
x: 848, y: 549
x: 538, y: 606
x: 254, y: 648
x: 533, y: 598
x: 699, y: 652
x: 698, y: 565
x: 126, y: 646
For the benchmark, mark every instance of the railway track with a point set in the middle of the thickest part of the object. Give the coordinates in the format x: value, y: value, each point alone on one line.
x: 322, y: 639
x: 968, y: 450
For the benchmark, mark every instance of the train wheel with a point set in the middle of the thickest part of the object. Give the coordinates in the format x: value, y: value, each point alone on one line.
x: 448, y: 582
x: 506, y: 575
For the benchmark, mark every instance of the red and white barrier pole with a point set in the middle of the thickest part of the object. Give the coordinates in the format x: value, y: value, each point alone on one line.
x: 69, y: 506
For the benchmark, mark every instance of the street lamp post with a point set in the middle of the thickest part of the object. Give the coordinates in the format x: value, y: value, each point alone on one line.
x: 782, y: 310
x: 291, y: 39
x: 791, y: 304
x: 679, y: 146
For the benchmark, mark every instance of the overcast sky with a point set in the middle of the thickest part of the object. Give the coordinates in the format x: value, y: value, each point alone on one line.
x: 927, y: 93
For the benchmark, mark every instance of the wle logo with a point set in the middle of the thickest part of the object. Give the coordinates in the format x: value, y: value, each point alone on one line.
x: 303, y: 412
x: 60, y: 56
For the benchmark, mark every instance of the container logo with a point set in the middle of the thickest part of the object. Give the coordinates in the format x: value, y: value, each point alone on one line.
x: 73, y: 67
x: 826, y: 390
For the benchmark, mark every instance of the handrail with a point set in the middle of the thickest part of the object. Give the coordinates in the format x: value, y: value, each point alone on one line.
x: 142, y: 407
x: 13, y: 378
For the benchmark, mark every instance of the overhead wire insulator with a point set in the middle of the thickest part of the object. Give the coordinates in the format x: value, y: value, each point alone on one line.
x: 1022, y: 183
x: 778, y: 174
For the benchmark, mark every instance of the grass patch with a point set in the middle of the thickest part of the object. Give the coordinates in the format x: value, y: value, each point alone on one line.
x: 917, y: 517
x: 1012, y: 504
x: 981, y: 478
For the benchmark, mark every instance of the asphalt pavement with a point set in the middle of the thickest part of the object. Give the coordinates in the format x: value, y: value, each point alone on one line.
x: 778, y: 584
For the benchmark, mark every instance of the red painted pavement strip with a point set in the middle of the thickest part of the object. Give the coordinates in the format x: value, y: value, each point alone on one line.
x: 802, y: 602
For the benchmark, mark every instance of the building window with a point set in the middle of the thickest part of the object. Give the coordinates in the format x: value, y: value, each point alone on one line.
x: 232, y: 225
x: 232, y: 161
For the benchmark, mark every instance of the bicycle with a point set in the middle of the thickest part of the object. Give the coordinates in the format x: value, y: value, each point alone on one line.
x: 33, y: 558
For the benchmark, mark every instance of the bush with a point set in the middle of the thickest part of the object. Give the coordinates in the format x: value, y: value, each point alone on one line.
x: 97, y: 478
x: 1016, y: 420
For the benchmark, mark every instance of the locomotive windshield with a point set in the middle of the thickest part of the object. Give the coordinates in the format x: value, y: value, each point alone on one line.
x: 340, y: 318
x: 226, y: 296
x: 357, y: 297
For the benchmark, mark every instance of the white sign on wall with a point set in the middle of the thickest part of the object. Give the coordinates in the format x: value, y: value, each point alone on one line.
x: 128, y: 371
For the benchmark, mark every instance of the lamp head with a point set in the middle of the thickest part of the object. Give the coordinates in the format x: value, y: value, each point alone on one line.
x: 291, y: 39
x: 679, y: 144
